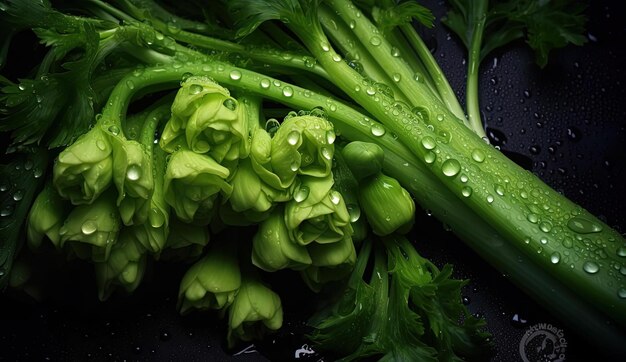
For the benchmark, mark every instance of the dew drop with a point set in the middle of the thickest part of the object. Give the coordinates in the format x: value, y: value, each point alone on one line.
x: 301, y: 194
x: 478, y: 156
x: 133, y: 173
x: 130, y: 84
x: 499, y: 190
x: 330, y: 137
x: 156, y: 218
x: 490, y: 198
x: 555, y: 257
x: 195, y: 89
x: 621, y: 292
x: 18, y: 195
x: 235, y: 74
x: 325, y: 46
x: 354, y: 211
x: 288, y: 91
x: 230, y: 104
x: 545, y: 227
x: 430, y: 157
x: 6, y: 211
x: 466, y: 191
x: 89, y: 227
x: 327, y: 153
x: 335, y: 197
x: 451, y: 167
x: 265, y: 83
x: 375, y: 41
x: 428, y: 143
x: 532, y: 218
x: 397, y: 77
x: 101, y: 145
x: 591, y: 267
x: 293, y: 137
x: 114, y: 130
x: 583, y: 226
x: 377, y: 129
x: 621, y: 251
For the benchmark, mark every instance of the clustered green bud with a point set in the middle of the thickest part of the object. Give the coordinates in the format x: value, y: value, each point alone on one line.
x: 84, y: 169
x: 46, y: 217
x: 212, y: 282
x: 192, y: 183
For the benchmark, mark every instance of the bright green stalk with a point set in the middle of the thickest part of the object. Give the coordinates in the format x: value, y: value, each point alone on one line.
x: 477, y: 24
x: 409, y: 83
x: 440, y: 81
x: 341, y: 35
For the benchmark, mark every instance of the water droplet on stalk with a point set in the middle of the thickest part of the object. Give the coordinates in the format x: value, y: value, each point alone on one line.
x: 235, y: 74
x: 451, y: 167
x: 591, y: 267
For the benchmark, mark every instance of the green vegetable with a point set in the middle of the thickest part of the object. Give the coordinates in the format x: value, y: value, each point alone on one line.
x: 222, y: 161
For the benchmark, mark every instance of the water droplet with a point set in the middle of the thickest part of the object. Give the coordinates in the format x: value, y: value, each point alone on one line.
x: 428, y: 143
x: 327, y: 153
x: 265, y: 83
x: 545, y: 227
x: 397, y: 77
x: 301, y: 194
x: 288, y: 91
x: 101, y: 145
x: 490, y: 198
x: 18, y: 195
x: 335, y: 197
x: 37, y: 172
x: 7, y: 210
x: 591, y: 267
x: 156, y: 218
x: 293, y: 137
x: 466, y: 191
x: 499, y: 190
x: 89, y: 227
x: 430, y: 157
x: 544, y: 241
x: 195, y: 89
x: 375, y: 41
x: 336, y: 57
x: 621, y: 251
x: 370, y: 91
x: 330, y: 137
x: 532, y: 218
x: 568, y: 242
x: 354, y: 211
x: 325, y: 46
x: 235, y: 74
x: 352, y: 24
x: 230, y: 104
x: 478, y: 156
x: 621, y: 292
x: 133, y: 173
x: 130, y: 84
x: 555, y: 257
x: 115, y: 130
x: 451, y: 167
x: 581, y: 225
x: 377, y: 129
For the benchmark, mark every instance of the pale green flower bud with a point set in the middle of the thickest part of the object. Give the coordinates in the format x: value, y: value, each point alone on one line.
x: 363, y: 158
x: 261, y: 157
x: 84, y: 169
x: 273, y: 249
x: 388, y: 206
x: 189, y: 98
x: 184, y: 241
x: 330, y: 262
x: 192, y: 183
x: 250, y: 192
x: 134, y: 178
x: 92, y: 229
x: 255, y: 310
x: 124, y: 267
x: 219, y: 127
x: 46, y: 217
x: 317, y: 213
x: 302, y: 145
x: 212, y: 282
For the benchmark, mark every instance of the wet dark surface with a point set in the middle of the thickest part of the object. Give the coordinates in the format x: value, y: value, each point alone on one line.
x: 565, y: 123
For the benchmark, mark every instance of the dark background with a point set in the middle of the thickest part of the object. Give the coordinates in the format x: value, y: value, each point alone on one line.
x: 566, y: 123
